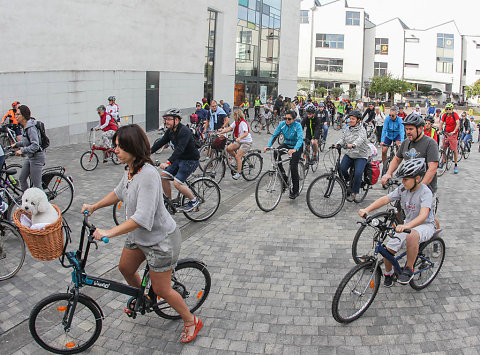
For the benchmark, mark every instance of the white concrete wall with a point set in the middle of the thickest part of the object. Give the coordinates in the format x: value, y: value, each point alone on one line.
x: 395, y: 33
x: 472, y: 56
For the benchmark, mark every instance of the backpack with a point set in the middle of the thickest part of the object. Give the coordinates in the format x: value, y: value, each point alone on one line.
x: 197, y: 140
x: 371, y: 173
x: 44, y: 140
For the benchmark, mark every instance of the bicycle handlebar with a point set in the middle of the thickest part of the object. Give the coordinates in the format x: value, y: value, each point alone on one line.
x: 92, y: 227
x: 283, y: 150
x: 370, y: 219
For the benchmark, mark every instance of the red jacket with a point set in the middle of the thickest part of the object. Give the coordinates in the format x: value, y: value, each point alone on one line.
x: 111, y: 126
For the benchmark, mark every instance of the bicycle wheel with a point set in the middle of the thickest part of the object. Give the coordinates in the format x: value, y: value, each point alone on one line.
x: 302, y: 174
x: 215, y: 169
x: 12, y: 250
x: 362, y: 193
x: 321, y: 145
x: 206, y: 153
x: 460, y: 150
x: 252, y: 166
x: 192, y: 281
x: 466, y: 150
x: 115, y: 159
x: 442, y: 163
x: 363, y: 244
x: 255, y: 125
x: 356, y: 292
x: 89, y: 161
x: 326, y: 195
x: 49, y: 316
x: 207, y: 192
x: 280, y: 138
x: 449, y: 159
x: 268, y: 191
x: 430, y: 260
x: 119, y: 214
x: 59, y: 189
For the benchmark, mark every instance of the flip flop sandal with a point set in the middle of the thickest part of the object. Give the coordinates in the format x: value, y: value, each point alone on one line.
x: 197, y: 323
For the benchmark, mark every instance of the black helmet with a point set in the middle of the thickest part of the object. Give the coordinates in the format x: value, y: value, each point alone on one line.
x: 356, y: 113
x: 412, y: 168
x: 174, y: 112
x: 430, y: 119
x: 310, y: 109
x: 111, y: 98
x: 414, y: 119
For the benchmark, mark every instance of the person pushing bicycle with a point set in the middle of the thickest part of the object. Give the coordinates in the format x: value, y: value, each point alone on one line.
x: 417, y: 202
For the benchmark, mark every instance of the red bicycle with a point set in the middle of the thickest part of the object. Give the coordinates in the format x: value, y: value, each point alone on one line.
x: 89, y: 159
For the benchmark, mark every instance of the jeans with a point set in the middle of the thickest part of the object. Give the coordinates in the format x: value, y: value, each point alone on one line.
x: 325, y: 132
x: 359, y: 165
x: 293, y: 167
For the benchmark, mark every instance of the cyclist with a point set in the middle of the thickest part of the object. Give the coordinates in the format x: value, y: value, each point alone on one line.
x: 243, y: 140
x: 245, y: 106
x: 437, y: 118
x: 257, y: 105
x: 205, y: 104
x: 108, y: 126
x: 226, y: 107
x: 202, y: 115
x: 378, y: 121
x: 418, y: 203
x: 370, y: 113
x: 152, y: 234
x: 340, y: 110
x: 278, y: 107
x: 355, y: 137
x: 293, y: 134
x: 429, y: 131
x: 10, y: 115
x: 314, y: 127
x: 322, y: 113
x: 184, y: 159
x: 431, y: 109
x: 331, y: 109
x: 217, y: 118
x: 392, y: 131
x: 469, y: 128
x: 452, y: 125
x: 112, y: 109
x: 416, y: 110
x: 401, y: 112
x: 30, y: 143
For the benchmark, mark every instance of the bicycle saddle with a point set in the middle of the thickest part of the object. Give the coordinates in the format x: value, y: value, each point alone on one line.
x: 9, y: 171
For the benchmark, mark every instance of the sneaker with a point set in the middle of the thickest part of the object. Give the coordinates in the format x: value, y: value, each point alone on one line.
x: 405, y: 276
x: 455, y: 170
x: 293, y: 196
x: 350, y: 197
x: 388, y: 282
x: 190, y: 205
x: 236, y: 176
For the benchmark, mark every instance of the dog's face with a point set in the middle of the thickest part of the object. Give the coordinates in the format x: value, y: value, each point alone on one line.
x: 34, y: 201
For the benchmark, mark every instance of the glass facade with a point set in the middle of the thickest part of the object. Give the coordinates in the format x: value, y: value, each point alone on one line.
x: 445, y: 55
x: 210, y: 56
x: 257, y: 48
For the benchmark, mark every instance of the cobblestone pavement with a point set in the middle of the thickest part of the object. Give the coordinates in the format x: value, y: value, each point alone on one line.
x: 273, y: 278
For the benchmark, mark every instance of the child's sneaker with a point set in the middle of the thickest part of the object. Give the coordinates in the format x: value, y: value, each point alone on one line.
x: 405, y: 276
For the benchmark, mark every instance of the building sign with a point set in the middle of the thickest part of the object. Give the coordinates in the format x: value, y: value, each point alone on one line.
x: 384, y: 49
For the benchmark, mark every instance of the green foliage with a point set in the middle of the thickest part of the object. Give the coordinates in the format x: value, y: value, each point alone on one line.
x: 473, y: 90
x: 352, y: 93
x: 424, y: 88
x: 336, y: 92
x: 321, y: 91
x: 388, y: 84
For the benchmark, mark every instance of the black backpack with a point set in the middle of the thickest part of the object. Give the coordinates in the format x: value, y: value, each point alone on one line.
x: 44, y: 140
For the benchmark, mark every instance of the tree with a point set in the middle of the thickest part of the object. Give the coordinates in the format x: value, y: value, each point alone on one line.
x: 388, y: 84
x: 352, y: 93
x: 336, y: 92
x: 473, y: 90
x: 321, y: 91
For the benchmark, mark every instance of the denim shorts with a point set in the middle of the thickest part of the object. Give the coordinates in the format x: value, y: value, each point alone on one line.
x: 162, y: 256
x: 389, y: 141
x: 180, y: 170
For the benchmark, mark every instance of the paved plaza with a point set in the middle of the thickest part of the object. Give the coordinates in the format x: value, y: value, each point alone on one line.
x: 273, y: 277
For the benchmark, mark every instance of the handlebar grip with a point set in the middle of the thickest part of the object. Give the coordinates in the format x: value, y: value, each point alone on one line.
x: 85, y: 213
x: 408, y: 231
x: 105, y: 240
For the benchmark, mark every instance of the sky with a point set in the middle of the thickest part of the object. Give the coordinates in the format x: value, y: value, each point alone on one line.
x: 422, y: 14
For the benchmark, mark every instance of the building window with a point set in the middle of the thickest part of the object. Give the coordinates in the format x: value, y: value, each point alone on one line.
x: 352, y: 18
x: 412, y: 40
x: 303, y: 16
x: 381, y: 45
x: 210, y: 55
x: 411, y: 65
x: 477, y: 72
x: 380, y: 68
x: 329, y: 41
x: 329, y: 65
x: 445, y: 55
x: 478, y: 45
x: 445, y: 40
x: 444, y: 65
x: 464, y: 67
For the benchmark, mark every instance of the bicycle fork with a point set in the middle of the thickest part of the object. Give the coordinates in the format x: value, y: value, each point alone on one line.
x: 331, y: 183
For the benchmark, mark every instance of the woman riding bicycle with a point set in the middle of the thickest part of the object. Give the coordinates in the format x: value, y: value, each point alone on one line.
x: 30, y: 143
x: 152, y: 234
x: 355, y: 138
x: 107, y: 125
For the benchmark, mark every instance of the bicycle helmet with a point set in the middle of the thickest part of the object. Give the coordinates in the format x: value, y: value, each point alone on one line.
x: 355, y: 113
x: 321, y: 104
x: 414, y: 119
x: 204, y: 100
x: 430, y: 119
x: 101, y: 108
x: 174, y: 112
x: 412, y: 168
x: 450, y: 105
x: 15, y: 103
x: 310, y: 109
x: 111, y: 98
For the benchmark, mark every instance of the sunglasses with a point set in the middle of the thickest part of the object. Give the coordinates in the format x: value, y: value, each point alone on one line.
x: 448, y: 109
x: 289, y: 119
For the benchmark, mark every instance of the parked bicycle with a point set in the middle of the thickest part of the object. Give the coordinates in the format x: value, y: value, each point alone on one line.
x: 271, y: 185
x: 89, y: 159
x: 358, y: 288
x: 71, y: 322
x: 7, y: 135
x: 326, y: 194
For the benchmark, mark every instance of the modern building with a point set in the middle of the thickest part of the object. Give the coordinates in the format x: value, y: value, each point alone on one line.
x: 471, y: 63
x: 152, y: 55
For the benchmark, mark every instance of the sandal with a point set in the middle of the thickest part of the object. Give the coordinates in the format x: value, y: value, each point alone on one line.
x: 185, y: 338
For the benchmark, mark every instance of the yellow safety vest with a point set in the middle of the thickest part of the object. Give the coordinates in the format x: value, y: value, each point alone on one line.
x: 257, y: 103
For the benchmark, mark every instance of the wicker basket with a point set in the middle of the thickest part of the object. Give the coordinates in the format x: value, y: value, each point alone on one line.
x: 44, y: 244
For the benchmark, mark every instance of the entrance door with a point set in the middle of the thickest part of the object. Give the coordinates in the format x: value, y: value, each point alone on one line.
x: 239, y: 94
x: 152, y: 105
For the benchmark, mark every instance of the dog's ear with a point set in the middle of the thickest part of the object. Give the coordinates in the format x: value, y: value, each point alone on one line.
x: 43, y: 205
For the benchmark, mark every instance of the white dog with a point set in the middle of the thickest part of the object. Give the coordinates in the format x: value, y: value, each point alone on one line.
x: 35, y: 201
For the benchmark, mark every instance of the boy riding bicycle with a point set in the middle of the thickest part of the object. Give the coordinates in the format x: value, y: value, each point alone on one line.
x: 417, y: 201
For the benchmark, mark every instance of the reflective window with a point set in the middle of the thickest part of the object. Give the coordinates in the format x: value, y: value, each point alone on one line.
x: 330, y: 40
x: 329, y: 65
x: 352, y: 18
x: 380, y: 68
x: 445, y: 54
x: 210, y: 55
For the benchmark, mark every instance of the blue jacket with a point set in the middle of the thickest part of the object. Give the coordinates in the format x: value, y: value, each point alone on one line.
x: 226, y: 108
x: 216, y: 119
x: 392, y: 129
x: 431, y: 110
x: 293, y: 134
x: 202, y: 114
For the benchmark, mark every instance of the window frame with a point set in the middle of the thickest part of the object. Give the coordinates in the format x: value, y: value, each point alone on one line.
x: 325, y: 42
x: 381, y: 42
x: 304, y: 15
x: 330, y: 64
x: 353, y: 19
x: 378, y: 67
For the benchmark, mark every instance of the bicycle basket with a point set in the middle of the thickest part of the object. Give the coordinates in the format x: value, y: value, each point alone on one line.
x: 219, y: 143
x: 44, y: 244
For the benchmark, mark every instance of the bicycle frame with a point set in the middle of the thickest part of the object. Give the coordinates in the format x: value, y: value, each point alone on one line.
x: 93, y: 147
x: 276, y: 163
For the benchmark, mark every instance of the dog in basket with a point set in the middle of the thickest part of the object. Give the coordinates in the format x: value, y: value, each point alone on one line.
x: 35, y: 202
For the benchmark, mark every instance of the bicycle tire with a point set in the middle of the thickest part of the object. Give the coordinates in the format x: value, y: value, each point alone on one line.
x: 316, y: 161
x: 89, y: 161
x: 255, y: 125
x: 252, y: 166
x: 449, y: 159
x: 280, y: 139
x: 200, y: 291
x: 460, y: 149
x: 269, y: 187
x: 119, y: 213
x: 115, y: 158
x: 362, y: 193
x: 427, y: 250
x: 51, y: 182
x: 373, y: 277
x: 466, y: 151
x: 321, y: 145
x: 317, y: 190
x: 206, y: 153
x: 442, y: 163
x: 46, y: 312
x: 12, y: 250
x: 363, y: 244
x: 215, y: 169
x: 302, y: 174
x: 207, y: 192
